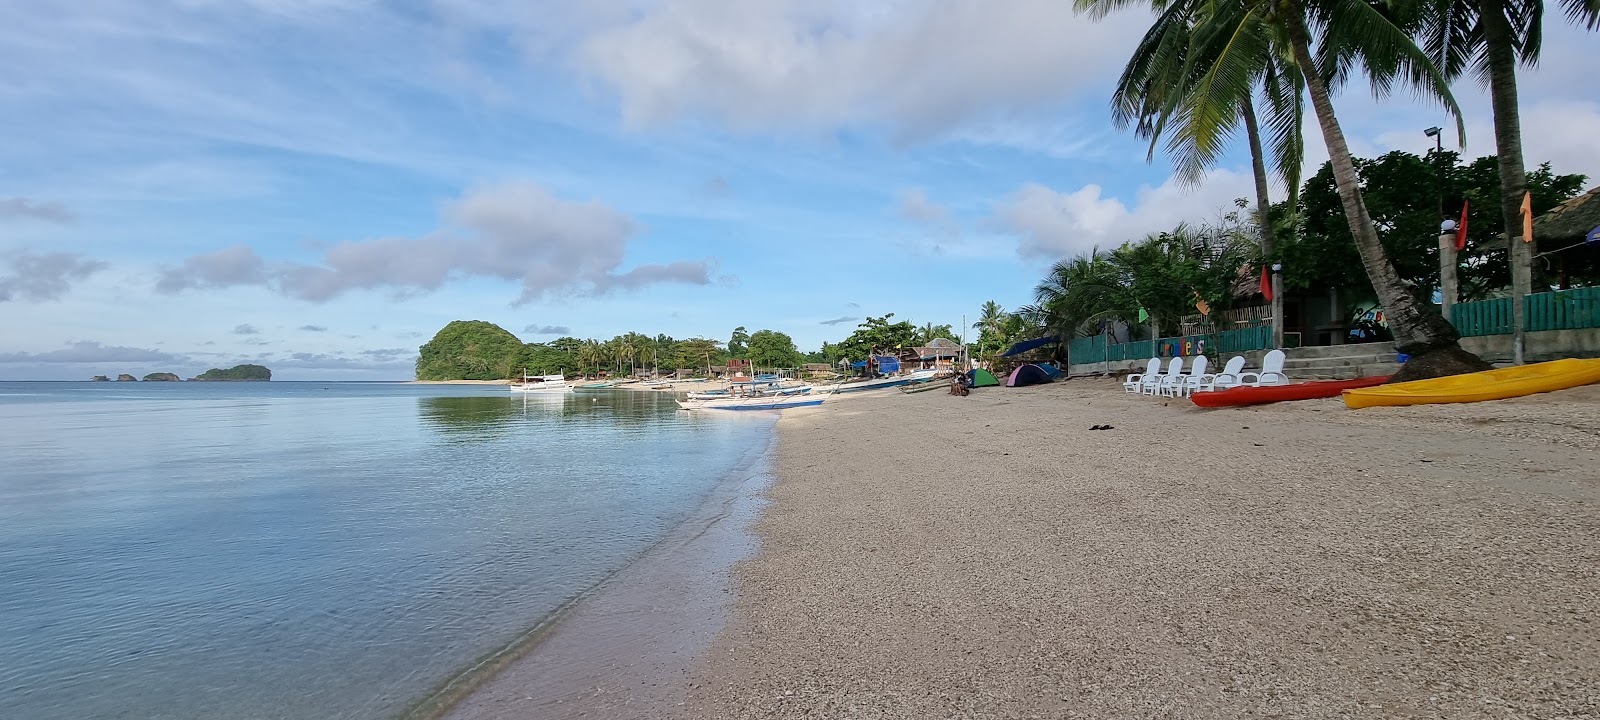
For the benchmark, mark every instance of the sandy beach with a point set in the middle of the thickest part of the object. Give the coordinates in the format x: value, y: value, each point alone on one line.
x: 928, y: 556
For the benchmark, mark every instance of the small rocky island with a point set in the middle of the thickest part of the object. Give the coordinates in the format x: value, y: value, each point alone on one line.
x: 162, y: 377
x: 99, y: 378
x: 237, y: 373
x: 126, y: 378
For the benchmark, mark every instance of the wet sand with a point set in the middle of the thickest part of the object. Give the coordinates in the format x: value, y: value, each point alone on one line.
x: 928, y: 556
x: 625, y: 649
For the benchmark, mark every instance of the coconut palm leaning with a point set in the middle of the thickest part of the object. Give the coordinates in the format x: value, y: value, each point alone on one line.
x: 1348, y: 33
x: 1174, y: 84
x: 1489, y: 37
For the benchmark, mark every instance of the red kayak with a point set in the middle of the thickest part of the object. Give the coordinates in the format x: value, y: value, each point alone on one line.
x: 1252, y: 395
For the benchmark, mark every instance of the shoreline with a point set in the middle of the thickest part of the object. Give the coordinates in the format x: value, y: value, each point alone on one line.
x: 991, y: 556
x: 621, y: 648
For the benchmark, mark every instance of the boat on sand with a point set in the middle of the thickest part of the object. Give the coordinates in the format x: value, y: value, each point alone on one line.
x: 1498, y: 384
x: 1257, y: 395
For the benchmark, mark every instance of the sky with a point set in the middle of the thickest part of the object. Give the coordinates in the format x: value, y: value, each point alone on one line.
x: 318, y: 186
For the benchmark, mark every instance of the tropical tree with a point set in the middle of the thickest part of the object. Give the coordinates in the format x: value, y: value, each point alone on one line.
x: 1197, y: 88
x: 738, y: 342
x: 773, y: 349
x: 990, y: 318
x: 1488, y: 37
x: 1346, y: 34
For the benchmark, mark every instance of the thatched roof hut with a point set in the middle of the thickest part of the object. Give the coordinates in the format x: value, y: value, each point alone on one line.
x: 938, y: 348
x: 1570, y: 220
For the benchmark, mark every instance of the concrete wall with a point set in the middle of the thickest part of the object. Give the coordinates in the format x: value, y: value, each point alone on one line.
x: 1539, y: 347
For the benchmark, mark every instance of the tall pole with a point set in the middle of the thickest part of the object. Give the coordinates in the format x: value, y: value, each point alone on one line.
x: 1447, y: 267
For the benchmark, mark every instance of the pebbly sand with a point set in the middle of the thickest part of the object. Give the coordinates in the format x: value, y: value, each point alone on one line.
x: 928, y: 556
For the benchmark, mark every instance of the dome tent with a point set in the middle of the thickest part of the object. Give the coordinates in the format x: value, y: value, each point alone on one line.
x: 980, y: 377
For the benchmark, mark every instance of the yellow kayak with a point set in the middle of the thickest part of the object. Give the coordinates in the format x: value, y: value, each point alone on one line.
x: 1487, y: 385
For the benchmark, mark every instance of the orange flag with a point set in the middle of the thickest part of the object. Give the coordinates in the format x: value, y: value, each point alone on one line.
x: 1201, y: 304
x: 1266, y: 282
x: 1461, y: 228
x: 1527, y: 217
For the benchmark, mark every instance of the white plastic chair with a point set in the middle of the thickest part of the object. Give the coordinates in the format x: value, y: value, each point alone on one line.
x: 1172, y: 378
x: 1135, y: 380
x: 1228, y: 378
x: 1271, y: 371
x: 1196, y: 377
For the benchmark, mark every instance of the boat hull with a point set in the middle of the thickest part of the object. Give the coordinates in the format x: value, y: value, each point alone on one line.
x: 1253, y: 395
x: 761, y: 403
x: 1487, y: 385
x: 888, y: 382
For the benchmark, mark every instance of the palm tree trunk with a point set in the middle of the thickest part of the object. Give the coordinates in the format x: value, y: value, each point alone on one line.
x: 1258, y: 165
x: 1419, y: 331
x: 1508, y: 151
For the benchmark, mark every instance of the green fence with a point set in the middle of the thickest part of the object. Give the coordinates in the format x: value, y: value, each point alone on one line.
x: 1560, y: 310
x: 1097, y: 349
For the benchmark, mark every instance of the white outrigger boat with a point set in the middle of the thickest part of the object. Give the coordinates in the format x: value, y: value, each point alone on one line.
x: 542, y: 384
x: 754, y: 402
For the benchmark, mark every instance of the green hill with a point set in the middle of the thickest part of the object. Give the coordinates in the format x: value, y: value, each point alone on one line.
x: 237, y: 372
x: 470, y: 350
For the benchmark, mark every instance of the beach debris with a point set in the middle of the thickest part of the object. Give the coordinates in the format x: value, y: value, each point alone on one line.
x: 1101, y: 427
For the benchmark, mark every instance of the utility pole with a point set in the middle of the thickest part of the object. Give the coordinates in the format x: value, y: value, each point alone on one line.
x: 1447, y: 267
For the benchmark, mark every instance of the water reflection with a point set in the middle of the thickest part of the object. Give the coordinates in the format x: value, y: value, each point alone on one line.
x: 471, y: 418
x: 480, y: 418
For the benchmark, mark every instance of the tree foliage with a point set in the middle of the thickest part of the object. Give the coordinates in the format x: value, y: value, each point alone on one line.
x: 1405, y: 195
x: 470, y: 350
x: 875, y: 335
x: 237, y: 372
x: 773, y: 349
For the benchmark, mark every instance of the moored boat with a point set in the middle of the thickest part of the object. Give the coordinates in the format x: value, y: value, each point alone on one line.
x: 1498, y: 384
x: 886, y: 382
x: 542, y: 384
x: 1258, y: 395
x: 757, y: 402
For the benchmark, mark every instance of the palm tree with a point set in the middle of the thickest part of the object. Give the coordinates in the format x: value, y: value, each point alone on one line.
x: 1175, y: 80
x: 1080, y: 291
x: 990, y: 318
x: 1348, y: 33
x: 1488, y: 37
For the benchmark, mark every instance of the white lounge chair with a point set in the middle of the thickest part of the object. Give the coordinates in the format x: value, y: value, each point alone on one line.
x: 1197, y: 376
x: 1171, y: 379
x: 1134, y: 380
x: 1152, y: 383
x: 1271, y: 371
x: 1228, y: 378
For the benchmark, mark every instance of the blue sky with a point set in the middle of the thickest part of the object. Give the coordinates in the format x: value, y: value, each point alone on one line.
x: 320, y: 185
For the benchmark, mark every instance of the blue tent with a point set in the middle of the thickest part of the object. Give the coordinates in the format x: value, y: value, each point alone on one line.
x: 1051, y: 370
x: 1029, y: 374
x: 887, y: 364
x: 1027, y: 345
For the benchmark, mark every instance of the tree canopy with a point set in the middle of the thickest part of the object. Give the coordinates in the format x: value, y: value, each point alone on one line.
x: 470, y: 350
x: 237, y: 372
x: 773, y: 349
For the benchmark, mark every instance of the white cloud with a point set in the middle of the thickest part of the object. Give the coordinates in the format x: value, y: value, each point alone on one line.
x: 918, y: 66
x: 47, y: 276
x: 839, y: 320
x: 514, y: 231
x: 245, y: 329
x: 548, y: 330
x: 914, y: 205
x: 1056, y: 224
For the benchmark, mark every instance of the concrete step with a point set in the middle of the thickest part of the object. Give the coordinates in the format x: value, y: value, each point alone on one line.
x: 1377, y: 348
x: 1340, y: 361
x: 1343, y: 372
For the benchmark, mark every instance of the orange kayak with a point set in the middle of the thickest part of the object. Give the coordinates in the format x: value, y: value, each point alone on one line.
x: 1253, y: 395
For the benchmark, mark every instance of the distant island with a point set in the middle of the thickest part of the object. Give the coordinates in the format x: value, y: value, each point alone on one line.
x: 162, y: 377
x: 236, y: 373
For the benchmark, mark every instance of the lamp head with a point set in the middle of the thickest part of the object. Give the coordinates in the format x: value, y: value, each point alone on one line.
x: 1448, y: 226
x: 1433, y: 131
x: 1276, y: 267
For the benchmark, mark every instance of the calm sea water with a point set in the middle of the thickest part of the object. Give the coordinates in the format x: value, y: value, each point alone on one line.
x: 315, y: 550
